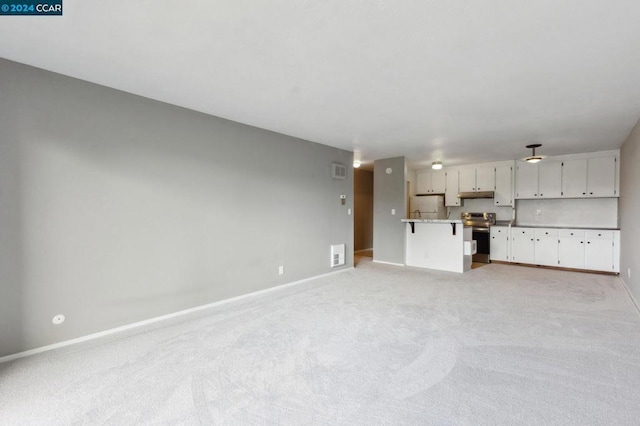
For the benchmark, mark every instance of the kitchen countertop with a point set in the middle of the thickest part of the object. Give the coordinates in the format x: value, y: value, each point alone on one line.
x: 563, y: 227
x: 433, y: 220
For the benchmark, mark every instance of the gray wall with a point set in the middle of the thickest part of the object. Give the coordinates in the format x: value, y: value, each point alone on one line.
x: 363, y: 209
x: 630, y: 211
x: 116, y: 208
x: 389, y: 192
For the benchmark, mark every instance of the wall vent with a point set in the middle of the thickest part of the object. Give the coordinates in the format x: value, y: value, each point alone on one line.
x: 337, y: 255
x: 338, y: 171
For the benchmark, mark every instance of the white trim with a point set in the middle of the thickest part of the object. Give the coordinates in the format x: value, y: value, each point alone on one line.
x: 360, y: 251
x: 46, y: 348
x: 388, y: 263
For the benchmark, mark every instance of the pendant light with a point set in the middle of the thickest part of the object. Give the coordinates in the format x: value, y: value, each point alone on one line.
x: 436, y: 165
x: 533, y: 158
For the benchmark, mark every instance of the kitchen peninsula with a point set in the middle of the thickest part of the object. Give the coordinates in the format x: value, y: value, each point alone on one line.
x: 441, y: 244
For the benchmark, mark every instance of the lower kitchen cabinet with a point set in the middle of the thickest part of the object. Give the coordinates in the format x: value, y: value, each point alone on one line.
x: 571, y: 249
x: 599, y: 251
x: 499, y: 243
x: 546, y: 247
x: 591, y: 249
x: 522, y: 245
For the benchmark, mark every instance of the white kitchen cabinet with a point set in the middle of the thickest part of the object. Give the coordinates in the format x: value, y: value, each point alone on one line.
x: 522, y: 245
x: 526, y: 180
x: 592, y: 249
x: 541, y: 180
x: 451, y: 192
x: 499, y: 243
x: 549, y: 179
x: 430, y: 181
x: 601, y: 177
x: 475, y: 179
x: 467, y: 179
x: 485, y: 178
x: 502, y: 188
x: 589, y: 177
x: 574, y: 178
x: 546, y: 247
x: 599, y: 250
x: 571, y: 248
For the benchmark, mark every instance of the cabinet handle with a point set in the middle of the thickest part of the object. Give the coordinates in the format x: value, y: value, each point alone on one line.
x: 537, y: 239
x: 541, y: 195
x: 581, y: 242
x: 588, y: 242
x: 584, y: 193
x: 591, y: 193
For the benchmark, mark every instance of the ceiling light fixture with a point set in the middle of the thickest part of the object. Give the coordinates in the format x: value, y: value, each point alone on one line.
x: 533, y: 158
x: 356, y: 164
x: 436, y: 165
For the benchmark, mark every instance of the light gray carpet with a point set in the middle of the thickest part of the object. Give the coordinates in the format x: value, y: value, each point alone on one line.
x: 379, y: 345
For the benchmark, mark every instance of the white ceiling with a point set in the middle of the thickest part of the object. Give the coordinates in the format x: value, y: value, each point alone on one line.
x: 453, y: 80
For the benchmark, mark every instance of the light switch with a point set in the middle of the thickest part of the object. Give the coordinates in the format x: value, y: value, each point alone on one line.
x: 393, y: 211
x: 349, y: 212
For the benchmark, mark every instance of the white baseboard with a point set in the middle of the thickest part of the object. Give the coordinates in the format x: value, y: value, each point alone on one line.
x: 360, y: 251
x: 630, y: 293
x: 81, y: 339
x: 388, y: 263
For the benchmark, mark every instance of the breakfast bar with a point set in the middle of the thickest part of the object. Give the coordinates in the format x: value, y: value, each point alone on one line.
x: 441, y: 244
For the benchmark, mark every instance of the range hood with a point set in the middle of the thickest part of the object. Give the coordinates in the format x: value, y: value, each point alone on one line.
x: 479, y: 194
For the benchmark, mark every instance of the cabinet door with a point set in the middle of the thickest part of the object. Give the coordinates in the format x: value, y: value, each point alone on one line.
x: 467, y: 182
x: 502, y: 187
x: 451, y: 193
x: 485, y: 179
x: 438, y: 183
x: 499, y: 243
x: 522, y: 245
x: 571, y: 252
x: 599, y: 250
x: 423, y: 182
x: 574, y: 178
x: 526, y: 180
x: 546, y: 251
x: 550, y: 179
x: 601, y: 177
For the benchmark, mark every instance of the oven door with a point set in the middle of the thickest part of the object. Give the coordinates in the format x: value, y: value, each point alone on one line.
x: 481, y: 235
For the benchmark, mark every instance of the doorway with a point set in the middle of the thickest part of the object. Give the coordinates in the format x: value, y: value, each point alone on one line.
x: 363, y: 215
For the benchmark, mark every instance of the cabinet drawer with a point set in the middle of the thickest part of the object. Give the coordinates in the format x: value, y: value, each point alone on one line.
x: 544, y: 232
x: 527, y: 232
x: 599, y: 235
x: 575, y: 233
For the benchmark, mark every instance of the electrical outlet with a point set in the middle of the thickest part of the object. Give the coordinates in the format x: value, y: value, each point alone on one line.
x: 281, y: 270
x: 539, y: 212
x: 58, y: 319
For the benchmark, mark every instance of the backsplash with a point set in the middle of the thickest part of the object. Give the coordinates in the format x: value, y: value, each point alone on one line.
x: 579, y: 212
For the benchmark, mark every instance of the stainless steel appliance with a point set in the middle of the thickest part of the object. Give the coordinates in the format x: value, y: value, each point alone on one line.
x: 427, y: 207
x: 480, y: 223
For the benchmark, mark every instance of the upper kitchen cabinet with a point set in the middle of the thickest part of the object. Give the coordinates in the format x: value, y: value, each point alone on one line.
x: 549, y: 178
x: 526, y: 180
x: 569, y: 176
x: 476, y: 178
x: 430, y: 181
x: 503, y: 195
x: 590, y: 177
x: 452, y: 188
x: 540, y: 180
